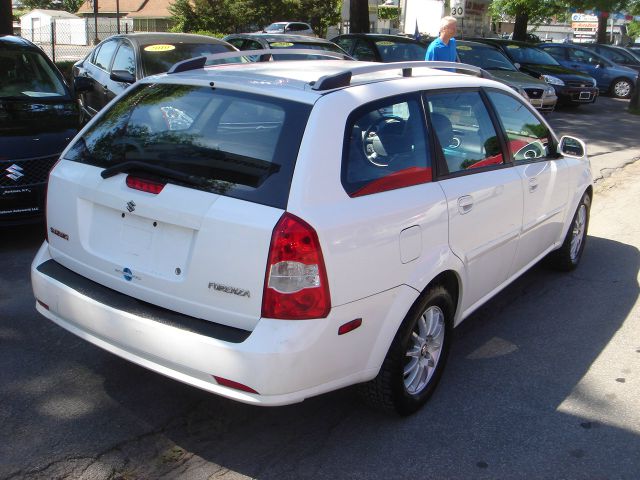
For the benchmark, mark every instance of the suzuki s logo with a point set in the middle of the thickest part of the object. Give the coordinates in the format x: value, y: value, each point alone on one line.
x: 14, y: 172
x: 131, y: 206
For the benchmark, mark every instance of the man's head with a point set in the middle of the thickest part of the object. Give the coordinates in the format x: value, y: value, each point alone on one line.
x: 448, y: 28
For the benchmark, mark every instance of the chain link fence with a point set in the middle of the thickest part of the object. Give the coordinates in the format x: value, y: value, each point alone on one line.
x: 69, y: 40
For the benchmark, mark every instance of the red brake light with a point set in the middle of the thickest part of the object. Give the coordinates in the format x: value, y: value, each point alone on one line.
x: 295, y: 286
x: 144, y: 184
x: 231, y: 384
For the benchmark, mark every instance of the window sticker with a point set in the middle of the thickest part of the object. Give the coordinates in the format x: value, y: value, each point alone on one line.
x: 159, y: 48
x: 281, y: 44
x: 464, y: 48
x: 386, y: 43
x: 515, y: 47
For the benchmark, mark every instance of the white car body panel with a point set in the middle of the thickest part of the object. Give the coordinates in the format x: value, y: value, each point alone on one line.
x: 380, y: 250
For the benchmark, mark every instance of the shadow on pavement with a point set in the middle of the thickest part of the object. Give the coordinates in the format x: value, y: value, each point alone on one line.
x: 495, y: 413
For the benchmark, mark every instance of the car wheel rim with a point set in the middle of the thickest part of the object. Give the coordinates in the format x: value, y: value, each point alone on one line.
x: 423, y: 352
x: 622, y: 89
x: 578, y: 232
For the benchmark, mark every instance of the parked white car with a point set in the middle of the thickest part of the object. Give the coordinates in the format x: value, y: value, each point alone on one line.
x: 293, y: 28
x: 269, y: 233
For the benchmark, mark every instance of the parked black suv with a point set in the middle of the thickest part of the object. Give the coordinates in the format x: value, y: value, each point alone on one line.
x: 571, y: 86
x: 38, y: 118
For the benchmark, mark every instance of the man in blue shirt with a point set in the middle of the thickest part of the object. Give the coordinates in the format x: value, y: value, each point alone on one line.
x: 443, y: 48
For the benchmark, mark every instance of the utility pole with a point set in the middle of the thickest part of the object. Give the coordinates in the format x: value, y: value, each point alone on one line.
x: 6, y: 17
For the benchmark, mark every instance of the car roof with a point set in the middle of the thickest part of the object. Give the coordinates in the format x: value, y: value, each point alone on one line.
x: 157, y: 37
x: 500, y: 41
x: 472, y: 43
x: 279, y: 37
x: 285, y: 79
x: 381, y: 36
x: 17, y: 42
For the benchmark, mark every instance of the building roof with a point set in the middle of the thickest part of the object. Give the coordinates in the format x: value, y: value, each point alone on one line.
x: 109, y: 6
x: 50, y: 13
x: 153, y: 9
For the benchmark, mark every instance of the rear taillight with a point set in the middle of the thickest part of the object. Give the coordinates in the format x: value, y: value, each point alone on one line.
x: 295, y: 286
x: 144, y: 184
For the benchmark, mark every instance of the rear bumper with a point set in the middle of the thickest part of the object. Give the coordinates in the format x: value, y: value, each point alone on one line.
x: 285, y: 361
x: 544, y: 104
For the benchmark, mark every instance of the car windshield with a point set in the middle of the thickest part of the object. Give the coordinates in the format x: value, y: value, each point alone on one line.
x: 484, y: 57
x: 231, y: 143
x: 522, y: 54
x: 158, y: 58
x: 396, y: 51
x: 276, y: 27
x: 27, y: 74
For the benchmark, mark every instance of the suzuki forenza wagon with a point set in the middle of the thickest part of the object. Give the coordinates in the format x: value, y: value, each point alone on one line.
x: 273, y: 231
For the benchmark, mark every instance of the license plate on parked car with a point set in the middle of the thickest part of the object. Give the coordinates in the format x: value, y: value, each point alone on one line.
x: 585, y: 96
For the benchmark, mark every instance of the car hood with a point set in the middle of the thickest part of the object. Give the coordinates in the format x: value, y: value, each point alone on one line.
x: 34, y: 129
x: 555, y: 70
x: 518, y: 79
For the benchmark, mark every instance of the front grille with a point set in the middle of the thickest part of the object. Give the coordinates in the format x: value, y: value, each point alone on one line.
x: 26, y: 171
x: 534, y: 92
x: 578, y: 84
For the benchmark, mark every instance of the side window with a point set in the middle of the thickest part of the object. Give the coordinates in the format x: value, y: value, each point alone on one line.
x: 385, y: 148
x: 125, y: 59
x: 528, y: 138
x: 464, y: 130
x: 582, y: 56
x: 236, y: 42
x: 253, y: 45
x: 345, y: 43
x: 364, y: 52
x: 103, y: 57
x: 556, y: 52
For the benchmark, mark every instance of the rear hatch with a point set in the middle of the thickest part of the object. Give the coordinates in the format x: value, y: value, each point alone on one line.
x: 172, y: 195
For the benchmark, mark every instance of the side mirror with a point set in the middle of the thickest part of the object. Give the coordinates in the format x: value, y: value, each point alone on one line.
x: 572, y: 147
x: 122, y: 76
x: 82, y: 84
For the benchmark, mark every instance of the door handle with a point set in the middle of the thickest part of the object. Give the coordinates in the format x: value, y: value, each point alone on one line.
x: 465, y: 204
x: 533, y: 184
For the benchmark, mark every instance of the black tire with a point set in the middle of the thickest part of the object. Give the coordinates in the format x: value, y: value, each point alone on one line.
x: 621, y: 88
x: 388, y: 391
x: 568, y: 256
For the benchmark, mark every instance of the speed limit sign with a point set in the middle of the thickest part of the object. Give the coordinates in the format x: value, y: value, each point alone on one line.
x: 457, y: 8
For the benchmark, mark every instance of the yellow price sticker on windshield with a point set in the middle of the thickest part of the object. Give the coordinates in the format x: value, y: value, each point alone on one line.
x: 513, y: 46
x: 385, y: 43
x: 281, y: 44
x: 159, y: 48
x: 463, y: 47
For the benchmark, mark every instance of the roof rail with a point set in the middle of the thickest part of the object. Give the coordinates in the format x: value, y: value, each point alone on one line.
x: 265, y: 55
x: 343, y: 79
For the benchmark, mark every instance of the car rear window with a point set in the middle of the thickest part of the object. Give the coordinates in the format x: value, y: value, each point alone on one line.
x: 230, y: 143
x: 160, y: 57
x: 393, y: 51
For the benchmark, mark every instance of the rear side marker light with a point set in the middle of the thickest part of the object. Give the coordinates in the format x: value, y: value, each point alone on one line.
x: 42, y: 304
x: 144, y: 185
x: 235, y: 385
x: 295, y: 285
x: 349, y: 326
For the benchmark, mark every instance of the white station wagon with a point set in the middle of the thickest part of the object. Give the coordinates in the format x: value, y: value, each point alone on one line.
x: 273, y: 231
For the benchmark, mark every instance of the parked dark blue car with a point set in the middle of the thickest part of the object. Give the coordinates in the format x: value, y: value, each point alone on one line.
x: 616, y: 79
x: 38, y: 117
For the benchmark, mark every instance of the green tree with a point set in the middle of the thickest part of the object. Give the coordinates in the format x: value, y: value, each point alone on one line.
x: 71, y: 6
x: 525, y: 11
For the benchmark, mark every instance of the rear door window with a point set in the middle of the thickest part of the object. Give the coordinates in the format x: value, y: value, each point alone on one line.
x: 231, y: 143
x: 125, y: 59
x: 385, y: 148
x: 464, y: 130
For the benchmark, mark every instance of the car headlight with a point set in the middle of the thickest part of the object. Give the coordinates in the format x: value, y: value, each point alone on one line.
x: 552, y: 80
x: 594, y: 81
x: 550, y: 91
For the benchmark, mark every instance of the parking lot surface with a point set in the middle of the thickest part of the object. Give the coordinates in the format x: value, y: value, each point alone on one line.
x: 542, y: 382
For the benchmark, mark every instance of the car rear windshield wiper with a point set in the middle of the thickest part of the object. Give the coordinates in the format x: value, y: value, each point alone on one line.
x: 158, y: 170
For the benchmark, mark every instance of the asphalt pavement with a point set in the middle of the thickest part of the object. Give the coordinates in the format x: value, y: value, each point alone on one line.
x: 542, y: 382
